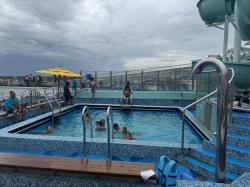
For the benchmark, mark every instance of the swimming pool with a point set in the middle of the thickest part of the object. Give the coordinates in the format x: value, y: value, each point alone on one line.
x: 149, y: 125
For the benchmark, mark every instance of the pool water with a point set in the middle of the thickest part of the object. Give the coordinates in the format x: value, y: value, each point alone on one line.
x: 157, y: 126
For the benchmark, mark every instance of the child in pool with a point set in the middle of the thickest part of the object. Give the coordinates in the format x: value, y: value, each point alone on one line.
x: 129, y: 136
x: 47, y: 131
x: 100, y: 125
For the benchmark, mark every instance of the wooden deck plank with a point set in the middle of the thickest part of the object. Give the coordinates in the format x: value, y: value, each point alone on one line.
x: 75, y: 165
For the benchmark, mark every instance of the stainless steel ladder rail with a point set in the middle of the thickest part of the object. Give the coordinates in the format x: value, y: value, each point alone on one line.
x: 56, y: 101
x: 52, y: 111
x: 109, y: 113
x: 84, y: 129
x: 194, y: 103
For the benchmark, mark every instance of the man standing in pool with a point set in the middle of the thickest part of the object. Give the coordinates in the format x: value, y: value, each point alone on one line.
x: 68, y: 97
x: 13, y: 107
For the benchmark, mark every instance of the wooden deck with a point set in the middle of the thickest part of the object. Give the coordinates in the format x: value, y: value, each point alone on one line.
x: 75, y: 165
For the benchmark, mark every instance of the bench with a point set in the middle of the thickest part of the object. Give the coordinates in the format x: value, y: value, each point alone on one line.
x: 75, y: 165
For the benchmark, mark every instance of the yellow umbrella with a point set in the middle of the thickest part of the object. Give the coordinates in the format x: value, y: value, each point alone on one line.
x: 59, y: 71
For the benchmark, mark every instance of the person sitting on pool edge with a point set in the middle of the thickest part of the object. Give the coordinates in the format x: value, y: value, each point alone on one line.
x: 68, y: 97
x: 12, y: 106
x: 116, y: 127
x: 126, y: 95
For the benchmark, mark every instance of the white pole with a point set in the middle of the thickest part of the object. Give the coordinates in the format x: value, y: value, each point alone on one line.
x: 226, y: 29
x: 237, y: 46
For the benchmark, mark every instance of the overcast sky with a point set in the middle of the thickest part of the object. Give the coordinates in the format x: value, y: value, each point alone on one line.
x: 102, y: 35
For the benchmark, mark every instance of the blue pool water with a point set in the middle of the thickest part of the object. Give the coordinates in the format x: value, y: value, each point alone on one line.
x: 157, y: 126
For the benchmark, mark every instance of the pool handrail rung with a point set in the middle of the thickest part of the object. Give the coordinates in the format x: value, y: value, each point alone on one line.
x: 84, y: 129
x: 109, y: 113
x: 52, y: 111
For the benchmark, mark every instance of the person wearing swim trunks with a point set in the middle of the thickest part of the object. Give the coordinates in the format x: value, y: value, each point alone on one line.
x: 67, y: 95
x: 13, y: 107
x: 92, y: 85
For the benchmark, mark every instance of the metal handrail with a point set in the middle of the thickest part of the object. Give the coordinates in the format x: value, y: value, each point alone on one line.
x: 84, y: 129
x: 56, y: 101
x: 90, y: 119
x: 52, y: 111
x: 194, y: 103
x: 109, y: 113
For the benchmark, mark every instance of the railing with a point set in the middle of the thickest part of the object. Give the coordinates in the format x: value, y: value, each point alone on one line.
x: 59, y: 106
x: 84, y: 129
x: 109, y: 113
x: 205, y: 97
x: 52, y: 111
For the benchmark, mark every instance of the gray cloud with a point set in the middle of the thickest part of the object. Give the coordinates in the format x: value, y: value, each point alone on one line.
x: 102, y: 35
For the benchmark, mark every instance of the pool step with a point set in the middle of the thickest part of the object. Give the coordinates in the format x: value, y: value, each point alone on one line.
x: 204, y: 169
x: 238, y: 140
x: 232, y: 150
x: 243, y: 130
x: 241, y: 120
x: 232, y: 165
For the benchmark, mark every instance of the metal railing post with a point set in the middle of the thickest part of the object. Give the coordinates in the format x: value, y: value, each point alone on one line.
x: 141, y: 80
x: 84, y: 134
x: 95, y: 75
x: 231, y: 99
x: 158, y: 80
x: 81, y: 79
x: 110, y: 79
x: 109, y: 113
x: 192, y: 82
x: 126, y: 76
x: 175, y: 76
x: 222, y: 107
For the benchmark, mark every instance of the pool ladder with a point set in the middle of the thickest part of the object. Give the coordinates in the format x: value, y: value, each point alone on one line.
x: 56, y: 116
x: 123, y: 105
x: 109, y: 116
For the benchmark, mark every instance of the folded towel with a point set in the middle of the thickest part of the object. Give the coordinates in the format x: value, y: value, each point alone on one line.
x: 147, y: 174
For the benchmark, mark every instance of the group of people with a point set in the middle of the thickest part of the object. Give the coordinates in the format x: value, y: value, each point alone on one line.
x: 32, y: 80
x: 242, y: 101
x: 100, y: 125
x: 69, y: 98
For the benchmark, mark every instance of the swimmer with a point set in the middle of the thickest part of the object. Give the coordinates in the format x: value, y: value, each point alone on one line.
x: 116, y: 127
x: 47, y: 131
x: 128, y: 136
x: 124, y: 131
x: 100, y: 125
x: 97, y: 125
